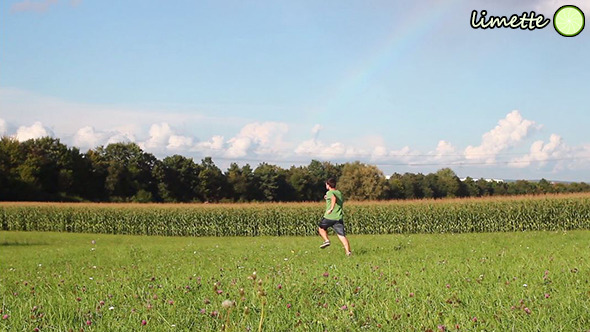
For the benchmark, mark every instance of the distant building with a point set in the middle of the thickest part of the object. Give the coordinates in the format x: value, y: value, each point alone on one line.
x: 487, y: 180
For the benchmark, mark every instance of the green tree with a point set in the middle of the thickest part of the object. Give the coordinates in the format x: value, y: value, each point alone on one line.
x: 486, y: 188
x: 304, y: 183
x: 429, y: 186
x: 240, y: 182
x: 212, y: 182
x: 362, y: 182
x: 412, y: 185
x: 544, y: 186
x: 320, y: 172
x: 11, y: 185
x: 521, y: 187
x: 47, y: 168
x: 583, y: 187
x: 560, y: 188
x: 272, y: 183
x: 97, y: 174
x: 396, y: 187
x: 177, y: 178
x: 469, y: 188
x: 448, y: 183
x: 498, y: 188
x: 129, y: 171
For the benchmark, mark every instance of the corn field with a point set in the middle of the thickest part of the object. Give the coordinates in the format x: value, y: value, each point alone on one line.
x: 548, y: 213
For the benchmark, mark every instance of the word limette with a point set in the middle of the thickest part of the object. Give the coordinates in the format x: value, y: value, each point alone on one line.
x: 524, y: 21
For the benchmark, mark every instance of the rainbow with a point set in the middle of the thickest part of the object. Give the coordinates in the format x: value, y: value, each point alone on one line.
x: 415, y: 25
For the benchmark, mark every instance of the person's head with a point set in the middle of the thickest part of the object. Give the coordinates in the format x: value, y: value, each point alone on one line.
x: 331, y: 183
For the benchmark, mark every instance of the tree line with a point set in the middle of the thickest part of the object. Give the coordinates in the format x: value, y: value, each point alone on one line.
x: 44, y: 169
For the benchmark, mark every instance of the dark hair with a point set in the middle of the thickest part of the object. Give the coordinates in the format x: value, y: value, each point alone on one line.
x: 331, y: 182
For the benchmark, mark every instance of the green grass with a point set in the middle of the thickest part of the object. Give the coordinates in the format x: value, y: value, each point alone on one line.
x: 56, y: 282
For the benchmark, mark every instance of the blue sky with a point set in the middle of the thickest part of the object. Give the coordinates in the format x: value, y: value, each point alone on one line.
x: 408, y: 86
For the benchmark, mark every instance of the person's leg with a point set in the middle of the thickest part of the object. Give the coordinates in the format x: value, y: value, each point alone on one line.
x: 339, y: 229
x: 345, y: 243
x: 322, y: 229
x: 323, y: 234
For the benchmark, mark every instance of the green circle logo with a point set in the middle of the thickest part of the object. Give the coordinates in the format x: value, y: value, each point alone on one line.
x: 568, y: 21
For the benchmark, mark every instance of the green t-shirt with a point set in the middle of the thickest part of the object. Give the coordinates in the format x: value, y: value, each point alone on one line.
x: 337, y: 213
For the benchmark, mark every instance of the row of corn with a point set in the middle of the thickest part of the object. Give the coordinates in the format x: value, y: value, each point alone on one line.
x: 460, y: 216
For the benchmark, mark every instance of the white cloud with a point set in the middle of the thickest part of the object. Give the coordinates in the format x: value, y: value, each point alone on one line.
x: 3, y: 127
x: 372, y: 148
x: 581, y: 160
x: 159, y: 136
x: 89, y: 126
x: 312, y: 146
x: 404, y: 152
x: 541, y: 152
x: 239, y: 147
x: 377, y: 146
x: 259, y: 138
x: 315, y: 148
x: 37, y: 130
x: 87, y: 137
x: 332, y: 151
x: 32, y: 6
x: 318, y: 149
x: 162, y: 137
x: 68, y: 117
x: 555, y: 155
x: 406, y: 155
x: 129, y: 133
x: 215, y: 144
x: 444, y: 149
x: 315, y: 131
x: 510, y: 131
x: 177, y: 142
x: 309, y: 147
x: 120, y: 138
x: 379, y: 152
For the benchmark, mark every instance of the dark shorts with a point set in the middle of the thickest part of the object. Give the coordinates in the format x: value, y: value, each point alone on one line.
x: 337, y: 225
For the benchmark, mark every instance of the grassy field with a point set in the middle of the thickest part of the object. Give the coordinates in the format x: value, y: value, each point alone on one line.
x: 525, y: 281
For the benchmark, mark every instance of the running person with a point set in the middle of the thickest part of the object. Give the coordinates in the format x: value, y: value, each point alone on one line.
x: 333, y: 217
